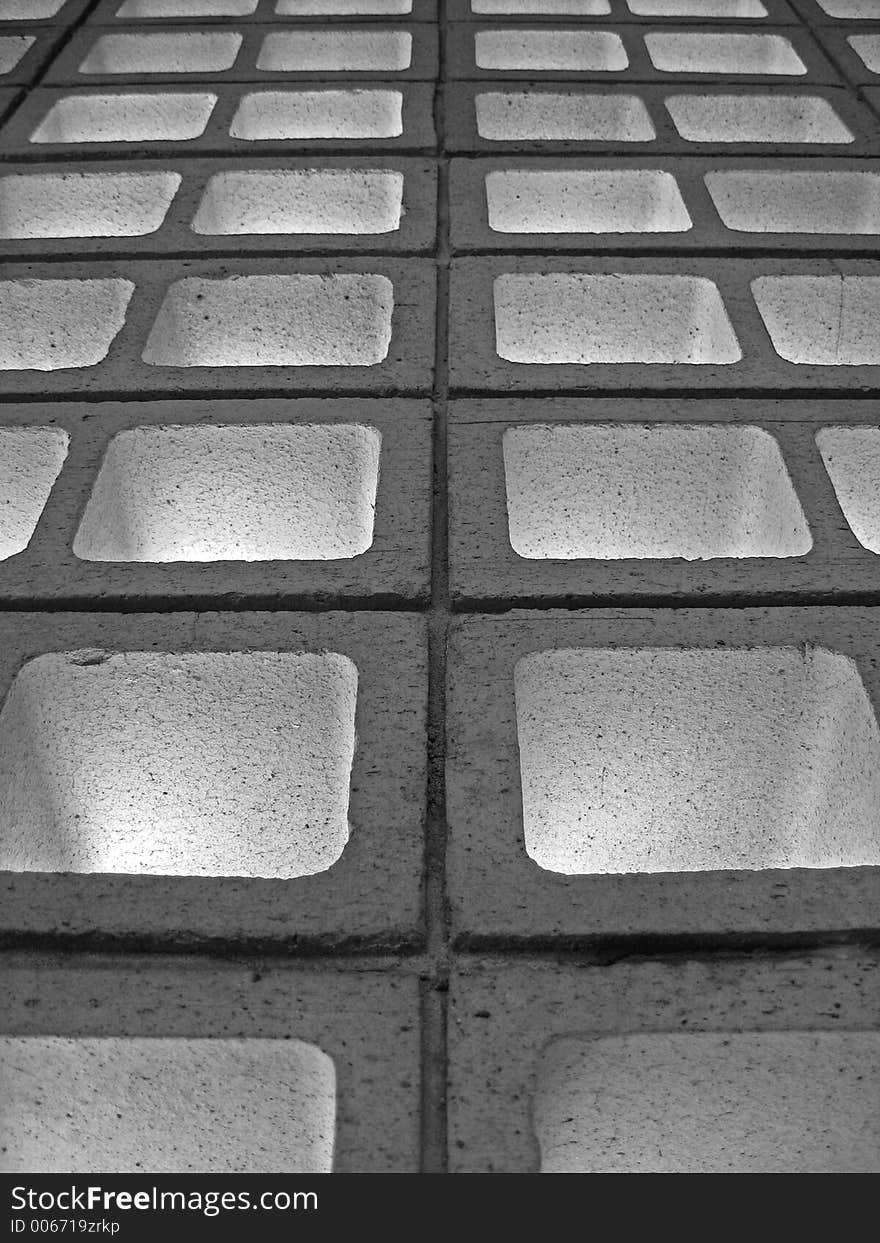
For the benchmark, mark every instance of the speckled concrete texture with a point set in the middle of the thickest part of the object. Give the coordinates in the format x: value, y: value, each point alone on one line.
x: 132, y: 1105
x: 439, y: 585
x: 793, y: 1088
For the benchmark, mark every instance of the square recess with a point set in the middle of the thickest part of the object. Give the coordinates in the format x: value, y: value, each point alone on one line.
x: 826, y: 321
x: 561, y: 1065
x: 134, y: 1105
x: 344, y: 1042
x: 52, y: 325
x: 234, y: 764
x: 173, y: 823
x: 302, y: 201
x: 792, y: 854
x: 709, y: 1102
x: 31, y: 459
x: 852, y: 459
x: 160, y: 116
x: 276, y: 492
x: 161, y: 51
x: 75, y: 204
x: 290, y: 503
x: 587, y: 318
x: 273, y: 321
x: 612, y: 492
x: 797, y: 201
x: 624, y: 201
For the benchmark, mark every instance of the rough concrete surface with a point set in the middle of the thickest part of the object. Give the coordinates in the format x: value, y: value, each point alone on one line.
x: 439, y: 585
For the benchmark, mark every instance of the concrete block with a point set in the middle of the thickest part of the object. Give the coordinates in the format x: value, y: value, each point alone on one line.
x: 250, y: 53
x: 181, y: 207
x: 117, y: 12
x: 211, y: 790
x: 708, y: 12
x: 580, y: 501
x: 663, y: 773
x: 303, y: 1066
x: 637, y: 54
x: 32, y: 14
x: 724, y: 1066
x: 111, y: 123
x: 23, y: 56
x: 670, y: 205
x: 543, y: 324
x: 611, y: 118
x: 124, y: 329
x: 284, y: 502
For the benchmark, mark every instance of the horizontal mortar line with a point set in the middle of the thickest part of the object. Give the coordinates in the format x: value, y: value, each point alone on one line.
x: 353, y: 949
x: 277, y: 602
x: 603, y: 950
x: 559, y: 149
x: 781, y: 393
x: 775, y: 252
x: 214, y: 393
x: 286, y: 256
x: 746, y: 599
x: 290, y: 150
x: 436, y: 968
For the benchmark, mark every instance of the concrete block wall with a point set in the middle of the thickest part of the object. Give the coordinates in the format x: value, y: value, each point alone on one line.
x: 439, y: 672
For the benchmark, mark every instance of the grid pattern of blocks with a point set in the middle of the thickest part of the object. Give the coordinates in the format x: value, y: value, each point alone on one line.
x: 439, y: 589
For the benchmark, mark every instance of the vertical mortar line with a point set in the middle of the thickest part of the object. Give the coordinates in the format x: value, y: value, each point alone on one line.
x: 69, y: 31
x: 435, y: 980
